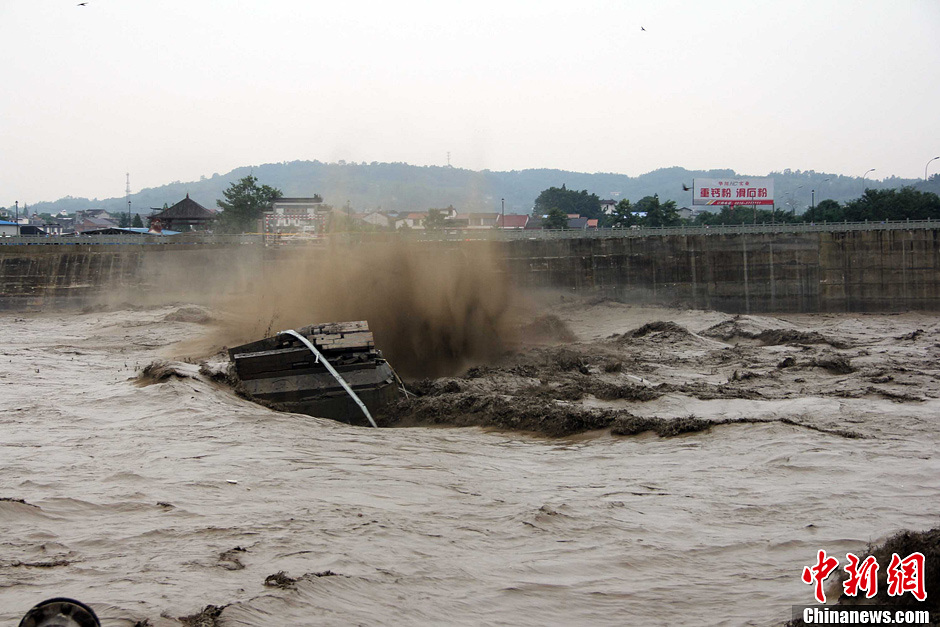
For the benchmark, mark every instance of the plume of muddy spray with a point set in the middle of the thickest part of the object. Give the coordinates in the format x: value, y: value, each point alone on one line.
x: 434, y: 307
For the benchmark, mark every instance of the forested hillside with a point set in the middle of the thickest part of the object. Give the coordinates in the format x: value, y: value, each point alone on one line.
x: 402, y: 187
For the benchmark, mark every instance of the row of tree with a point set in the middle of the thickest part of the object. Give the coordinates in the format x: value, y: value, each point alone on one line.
x: 554, y: 205
x: 875, y: 205
x: 907, y: 203
x: 245, y: 201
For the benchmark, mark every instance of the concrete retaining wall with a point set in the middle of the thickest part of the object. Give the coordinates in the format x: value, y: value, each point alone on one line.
x: 878, y: 270
x: 845, y: 271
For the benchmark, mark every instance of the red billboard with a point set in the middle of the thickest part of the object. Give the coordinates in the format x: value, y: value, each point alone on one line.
x: 733, y: 191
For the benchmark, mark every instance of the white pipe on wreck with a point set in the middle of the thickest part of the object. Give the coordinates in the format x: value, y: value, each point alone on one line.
x: 336, y: 375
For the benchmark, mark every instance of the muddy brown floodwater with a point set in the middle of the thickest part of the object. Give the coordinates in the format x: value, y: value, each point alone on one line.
x: 620, y: 465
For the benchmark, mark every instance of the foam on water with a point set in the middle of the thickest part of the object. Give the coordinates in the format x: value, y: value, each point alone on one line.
x: 154, y: 502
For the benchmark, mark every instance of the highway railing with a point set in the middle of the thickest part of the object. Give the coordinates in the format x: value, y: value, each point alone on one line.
x: 717, y: 229
x: 195, y: 239
x: 488, y: 234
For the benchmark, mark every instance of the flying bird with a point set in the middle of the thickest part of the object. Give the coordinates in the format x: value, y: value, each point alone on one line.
x: 685, y: 187
x: 642, y: 29
x: 83, y: 4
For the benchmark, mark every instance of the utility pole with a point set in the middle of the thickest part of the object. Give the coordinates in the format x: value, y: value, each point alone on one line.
x: 503, y: 201
x: 17, y: 217
x: 127, y: 197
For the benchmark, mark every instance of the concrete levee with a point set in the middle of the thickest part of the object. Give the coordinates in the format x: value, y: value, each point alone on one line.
x: 35, y: 278
x: 828, y: 271
x: 727, y: 272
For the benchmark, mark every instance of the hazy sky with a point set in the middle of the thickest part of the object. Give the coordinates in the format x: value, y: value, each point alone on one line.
x: 175, y: 89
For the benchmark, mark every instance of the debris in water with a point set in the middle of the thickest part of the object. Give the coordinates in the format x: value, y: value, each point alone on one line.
x: 279, y: 580
x: 194, y: 314
x: 206, y: 618
x: 282, y: 372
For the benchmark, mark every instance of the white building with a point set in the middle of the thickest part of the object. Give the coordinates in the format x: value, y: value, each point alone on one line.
x: 301, y: 214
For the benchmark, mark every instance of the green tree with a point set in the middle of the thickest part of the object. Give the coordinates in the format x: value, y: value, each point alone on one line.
x: 124, y: 221
x: 435, y: 220
x: 622, y: 216
x: 568, y: 201
x: 657, y: 213
x: 244, y: 203
x: 138, y: 223
x: 826, y: 211
x: 877, y: 205
x: 893, y: 204
x: 555, y: 219
x: 744, y: 214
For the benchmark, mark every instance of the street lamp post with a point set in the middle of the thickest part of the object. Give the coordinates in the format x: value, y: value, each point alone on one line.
x: 867, y: 173
x: 925, y: 168
x: 792, y: 199
x: 17, y: 219
x: 813, y: 203
x: 503, y: 202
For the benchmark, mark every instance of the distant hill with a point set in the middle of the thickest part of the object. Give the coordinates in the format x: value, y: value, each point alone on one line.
x: 399, y: 187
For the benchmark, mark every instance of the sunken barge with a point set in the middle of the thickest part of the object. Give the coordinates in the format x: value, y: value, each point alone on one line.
x: 312, y: 370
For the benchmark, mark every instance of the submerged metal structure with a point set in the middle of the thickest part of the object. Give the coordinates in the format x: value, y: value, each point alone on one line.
x: 344, y: 377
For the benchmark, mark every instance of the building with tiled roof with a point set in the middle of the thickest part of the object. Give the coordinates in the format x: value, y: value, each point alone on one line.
x: 512, y: 221
x: 186, y: 215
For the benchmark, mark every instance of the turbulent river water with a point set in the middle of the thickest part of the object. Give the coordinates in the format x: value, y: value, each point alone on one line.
x: 152, y: 502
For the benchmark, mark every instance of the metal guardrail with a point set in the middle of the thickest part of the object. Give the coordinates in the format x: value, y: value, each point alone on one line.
x: 494, y: 234
x: 195, y: 239
x: 718, y: 229
x: 485, y: 234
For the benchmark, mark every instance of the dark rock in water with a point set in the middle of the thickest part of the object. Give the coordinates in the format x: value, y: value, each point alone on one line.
x: 664, y: 428
x: 913, y: 335
x: 208, y: 617
x: 745, y: 375
x: 731, y: 329
x: 659, y: 327
x: 549, y: 328
x: 229, y: 559
x: 566, y: 359
x: 787, y: 362
x: 774, y: 337
x: 197, y: 315
x: 476, y: 372
x: 280, y: 580
x: 836, y: 364
x: 161, y: 370
x: 501, y: 411
x: 222, y: 373
x: 630, y: 392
